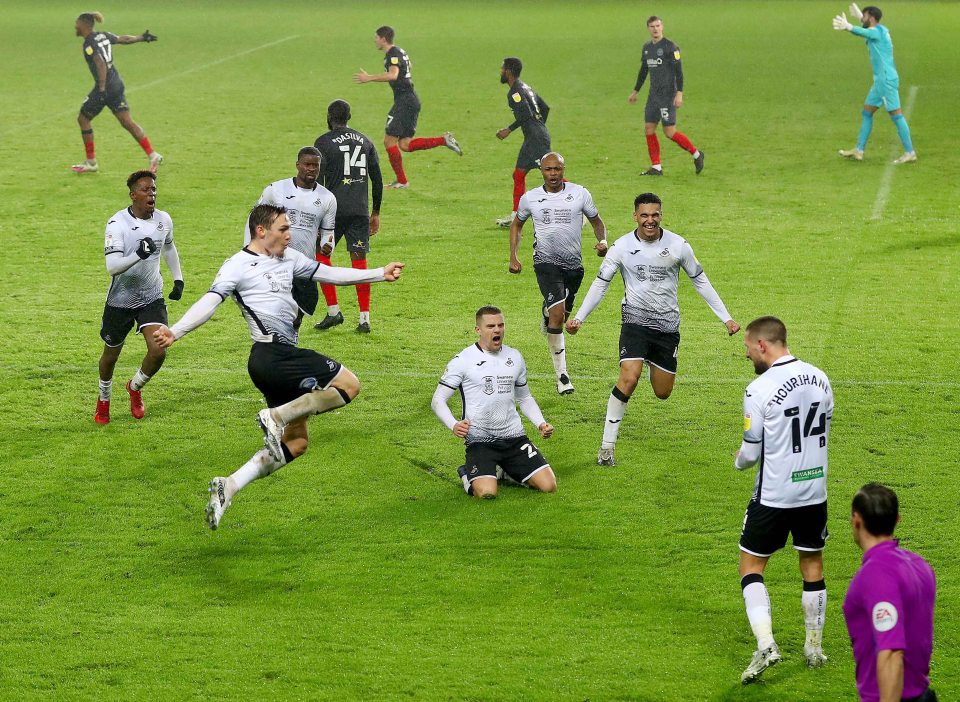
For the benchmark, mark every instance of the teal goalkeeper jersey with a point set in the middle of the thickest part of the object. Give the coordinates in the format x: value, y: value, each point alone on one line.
x: 880, y: 46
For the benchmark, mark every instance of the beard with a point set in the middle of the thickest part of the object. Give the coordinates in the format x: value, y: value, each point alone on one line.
x: 503, y: 79
x: 760, y: 367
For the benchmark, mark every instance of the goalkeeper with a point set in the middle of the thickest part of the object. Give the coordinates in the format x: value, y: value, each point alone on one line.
x: 886, y: 82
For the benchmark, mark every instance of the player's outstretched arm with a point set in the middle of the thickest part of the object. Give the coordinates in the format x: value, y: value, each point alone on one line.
x: 335, y: 275
x: 594, y: 296
x: 363, y: 77
x: 841, y: 24
x: 136, y: 38
x: 855, y: 12
x: 199, y: 313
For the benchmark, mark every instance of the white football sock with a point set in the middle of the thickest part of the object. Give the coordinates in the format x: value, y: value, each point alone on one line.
x: 333, y: 310
x: 616, y: 408
x: 364, y: 318
x: 139, y: 380
x: 814, y: 612
x: 558, y: 353
x: 316, y: 402
x: 106, y: 388
x: 697, y: 154
x: 757, y: 600
x: 259, y: 466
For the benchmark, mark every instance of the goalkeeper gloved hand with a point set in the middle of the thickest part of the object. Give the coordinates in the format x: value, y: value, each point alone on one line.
x: 177, y: 291
x: 146, y: 248
x: 148, y: 37
x: 855, y: 12
x: 841, y: 24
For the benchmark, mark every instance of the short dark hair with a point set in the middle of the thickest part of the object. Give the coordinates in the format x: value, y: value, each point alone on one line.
x: 308, y: 151
x: 878, y: 506
x: 653, y: 18
x: 873, y: 11
x: 646, y: 199
x: 768, y: 328
x: 90, y: 17
x: 386, y: 32
x: 264, y: 216
x: 137, y: 175
x: 485, y: 310
x: 514, y: 65
x: 338, y: 112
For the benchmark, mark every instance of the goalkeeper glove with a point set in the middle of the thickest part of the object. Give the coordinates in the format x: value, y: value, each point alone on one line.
x: 855, y: 12
x: 148, y: 37
x: 841, y: 24
x: 146, y: 248
x: 177, y: 291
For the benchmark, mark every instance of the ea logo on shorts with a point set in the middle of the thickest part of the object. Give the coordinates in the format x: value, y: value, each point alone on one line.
x: 884, y: 616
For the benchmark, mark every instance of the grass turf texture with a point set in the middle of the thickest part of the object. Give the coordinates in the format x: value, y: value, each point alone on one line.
x: 362, y: 571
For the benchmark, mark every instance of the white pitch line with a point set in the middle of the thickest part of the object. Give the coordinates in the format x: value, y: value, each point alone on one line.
x: 241, y: 370
x: 886, y: 182
x: 158, y: 81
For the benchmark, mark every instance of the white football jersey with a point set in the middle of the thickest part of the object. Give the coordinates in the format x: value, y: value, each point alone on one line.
x: 142, y: 283
x: 651, y: 276
x: 788, y: 410
x: 557, y: 223
x: 309, y: 211
x: 487, y: 382
x: 262, y: 287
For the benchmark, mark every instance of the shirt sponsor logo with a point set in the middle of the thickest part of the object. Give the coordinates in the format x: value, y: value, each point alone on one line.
x: 884, y: 616
x: 799, y: 476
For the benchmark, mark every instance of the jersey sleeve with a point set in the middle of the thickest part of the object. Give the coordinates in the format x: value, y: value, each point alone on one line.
x: 521, y: 374
x: 886, y: 612
x: 227, y: 279
x: 113, y: 238
x: 523, y: 208
x: 611, y: 264
x: 453, y: 374
x: 677, y: 67
x: 113, y: 38
x: 689, y: 262
x: 752, y: 418
x: 589, y: 208
x: 168, y: 241
x: 268, y: 197
x: 329, y: 220
x: 303, y: 266
x: 866, y: 32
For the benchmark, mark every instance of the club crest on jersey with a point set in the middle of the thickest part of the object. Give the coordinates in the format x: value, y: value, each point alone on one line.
x: 659, y: 52
x: 569, y: 198
x: 317, y: 202
x: 488, y: 388
x: 509, y: 362
x: 160, y: 226
x: 665, y: 253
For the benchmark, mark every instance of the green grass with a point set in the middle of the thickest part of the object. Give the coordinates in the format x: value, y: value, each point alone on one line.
x: 355, y: 573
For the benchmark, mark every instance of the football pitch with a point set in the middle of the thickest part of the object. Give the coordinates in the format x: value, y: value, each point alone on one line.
x: 362, y: 571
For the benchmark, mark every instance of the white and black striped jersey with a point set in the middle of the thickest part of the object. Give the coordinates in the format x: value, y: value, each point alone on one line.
x: 557, y: 223
x: 788, y: 410
x: 651, y: 276
x: 487, y: 384
x: 309, y: 212
x: 262, y: 287
x: 142, y: 283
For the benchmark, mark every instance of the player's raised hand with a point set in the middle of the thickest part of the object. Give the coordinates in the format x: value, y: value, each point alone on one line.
x: 177, y: 291
x: 855, y: 12
x: 146, y: 248
x: 841, y: 24
x: 148, y: 37
x: 163, y: 336
x: 573, y: 325
x: 391, y: 271
x: 546, y: 430
x: 633, y: 98
x: 732, y: 327
x: 361, y: 77
x: 461, y: 428
x: 515, y: 265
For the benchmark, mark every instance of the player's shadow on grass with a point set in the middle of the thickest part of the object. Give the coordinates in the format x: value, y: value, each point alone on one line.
x: 771, y: 686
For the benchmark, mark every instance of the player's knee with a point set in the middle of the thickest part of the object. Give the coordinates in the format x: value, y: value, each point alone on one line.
x: 662, y: 393
x: 484, y: 492
x: 547, y: 483
x: 296, y: 447
x: 348, y: 384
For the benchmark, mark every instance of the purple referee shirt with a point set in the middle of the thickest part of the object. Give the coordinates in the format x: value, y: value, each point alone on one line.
x: 889, y: 606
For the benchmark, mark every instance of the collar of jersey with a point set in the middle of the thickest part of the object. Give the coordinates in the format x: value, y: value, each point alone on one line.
x: 879, y: 548
x: 148, y: 219
x: 636, y: 235
x: 783, y: 360
x: 294, y: 179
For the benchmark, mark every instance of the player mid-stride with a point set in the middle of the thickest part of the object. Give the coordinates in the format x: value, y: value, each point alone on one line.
x: 107, y: 89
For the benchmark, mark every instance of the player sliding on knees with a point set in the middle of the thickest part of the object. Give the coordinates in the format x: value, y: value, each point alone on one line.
x: 649, y: 260
x: 108, y: 91
x: 296, y: 383
x: 492, y: 379
x: 885, y: 91
x: 402, y: 118
x: 557, y: 208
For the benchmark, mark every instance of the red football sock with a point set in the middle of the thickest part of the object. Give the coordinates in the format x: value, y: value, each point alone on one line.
x: 88, y: 145
x: 683, y: 142
x: 363, y: 289
x: 426, y: 143
x: 145, y: 145
x: 396, y: 161
x: 519, y: 186
x: 653, y: 146
x: 329, y: 291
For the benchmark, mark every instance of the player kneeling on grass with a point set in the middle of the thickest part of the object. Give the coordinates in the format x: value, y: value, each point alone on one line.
x: 296, y: 383
x: 492, y: 379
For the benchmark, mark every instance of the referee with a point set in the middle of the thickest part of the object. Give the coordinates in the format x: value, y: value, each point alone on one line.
x: 889, y: 605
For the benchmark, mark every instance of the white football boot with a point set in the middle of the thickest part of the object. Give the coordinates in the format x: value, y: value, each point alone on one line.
x: 908, y: 157
x: 218, y: 502
x: 88, y: 166
x: 760, y: 662
x: 451, y: 143
x: 854, y: 153
x: 272, y: 434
